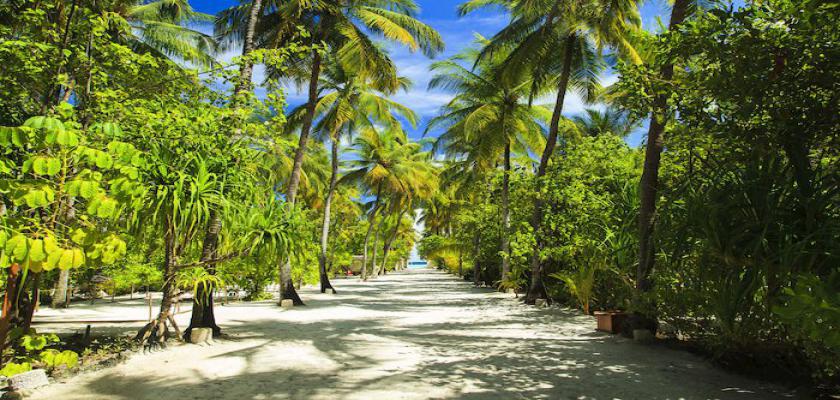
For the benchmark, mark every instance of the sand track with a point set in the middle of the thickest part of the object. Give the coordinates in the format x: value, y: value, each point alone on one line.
x: 414, y: 335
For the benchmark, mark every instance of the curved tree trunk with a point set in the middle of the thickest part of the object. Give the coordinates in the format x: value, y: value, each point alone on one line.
x: 649, y: 183
x: 156, y: 331
x: 325, y: 227
x: 390, y: 241
x: 371, y: 225
x: 537, y: 288
x: 506, y: 216
x: 287, y: 288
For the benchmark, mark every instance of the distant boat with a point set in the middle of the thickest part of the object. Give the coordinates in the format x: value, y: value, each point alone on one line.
x: 417, y: 264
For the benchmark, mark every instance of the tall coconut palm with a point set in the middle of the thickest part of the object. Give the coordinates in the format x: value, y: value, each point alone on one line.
x: 577, y: 31
x: 492, y: 116
x: 347, y: 102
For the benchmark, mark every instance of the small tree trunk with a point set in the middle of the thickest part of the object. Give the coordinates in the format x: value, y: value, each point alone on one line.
x: 537, y: 289
x: 476, y: 264
x: 10, y: 302
x: 506, y: 217
x: 59, y: 299
x: 376, y: 236
x: 325, y: 227
x: 287, y: 287
x: 156, y: 331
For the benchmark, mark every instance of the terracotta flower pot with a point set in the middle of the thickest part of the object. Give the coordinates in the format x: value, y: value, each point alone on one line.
x: 610, y: 321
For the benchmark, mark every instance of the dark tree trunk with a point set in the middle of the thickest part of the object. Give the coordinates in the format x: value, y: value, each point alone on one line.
x: 506, y: 216
x: 536, y: 289
x: 202, y: 307
x: 325, y: 227
x: 10, y: 303
x: 650, y: 181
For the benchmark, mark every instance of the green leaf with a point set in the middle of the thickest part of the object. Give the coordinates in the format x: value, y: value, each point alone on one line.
x: 12, y: 369
x: 79, y: 236
x: 17, y: 247
x: 36, y: 250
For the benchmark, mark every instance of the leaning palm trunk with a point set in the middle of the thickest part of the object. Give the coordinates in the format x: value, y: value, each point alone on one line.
x: 650, y: 179
x: 506, y: 217
x: 371, y: 225
x: 325, y: 228
x: 373, y: 265
x: 537, y: 288
x: 287, y: 288
x: 203, y: 315
x: 390, y: 242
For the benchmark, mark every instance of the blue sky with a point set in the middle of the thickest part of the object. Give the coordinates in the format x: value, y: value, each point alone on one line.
x: 457, y: 33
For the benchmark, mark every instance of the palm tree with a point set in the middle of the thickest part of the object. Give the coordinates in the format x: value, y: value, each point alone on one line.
x: 347, y: 102
x: 607, y: 122
x: 160, y: 26
x: 386, y: 164
x: 577, y: 31
x: 487, y: 120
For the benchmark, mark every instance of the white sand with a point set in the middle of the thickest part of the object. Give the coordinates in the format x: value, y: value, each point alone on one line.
x: 414, y: 335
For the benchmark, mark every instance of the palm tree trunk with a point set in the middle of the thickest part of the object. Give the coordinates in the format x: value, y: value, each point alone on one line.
x: 649, y: 183
x: 371, y: 224
x: 374, y: 269
x: 325, y: 228
x: 247, y: 71
x: 390, y: 241
x: 506, y: 216
x: 294, y: 179
x: 537, y: 289
x: 287, y: 288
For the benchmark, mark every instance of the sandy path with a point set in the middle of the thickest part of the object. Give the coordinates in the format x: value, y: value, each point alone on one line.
x: 417, y: 335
